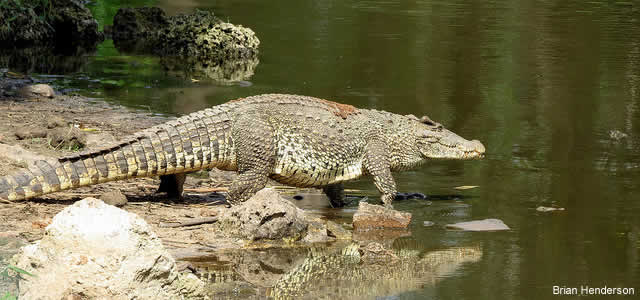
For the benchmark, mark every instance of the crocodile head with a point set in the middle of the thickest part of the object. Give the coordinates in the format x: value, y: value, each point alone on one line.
x: 436, y: 142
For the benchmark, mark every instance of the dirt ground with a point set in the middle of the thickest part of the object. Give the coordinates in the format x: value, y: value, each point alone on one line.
x: 35, y: 123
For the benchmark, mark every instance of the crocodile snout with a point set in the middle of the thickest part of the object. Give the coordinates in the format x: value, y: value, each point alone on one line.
x: 478, y: 147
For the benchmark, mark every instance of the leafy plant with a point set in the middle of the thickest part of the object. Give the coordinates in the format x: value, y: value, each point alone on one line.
x: 8, y: 296
x: 5, y: 275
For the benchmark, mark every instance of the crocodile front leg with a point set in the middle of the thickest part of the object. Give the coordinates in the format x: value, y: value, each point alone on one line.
x: 255, y: 156
x: 377, y: 164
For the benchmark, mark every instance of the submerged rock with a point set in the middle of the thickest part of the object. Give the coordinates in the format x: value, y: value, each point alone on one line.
x: 428, y: 223
x: 548, y: 209
x: 371, y: 216
x: 617, y: 135
x: 102, y: 252
x: 480, y: 225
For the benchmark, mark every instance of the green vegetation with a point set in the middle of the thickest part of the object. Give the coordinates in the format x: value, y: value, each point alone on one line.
x: 104, y: 11
x: 5, y: 275
x: 20, y: 17
x: 8, y: 296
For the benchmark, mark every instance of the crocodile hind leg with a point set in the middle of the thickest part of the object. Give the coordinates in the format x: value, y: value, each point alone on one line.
x: 335, y: 192
x: 172, y: 184
x: 255, y: 156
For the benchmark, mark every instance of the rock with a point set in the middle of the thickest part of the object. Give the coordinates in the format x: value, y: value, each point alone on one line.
x: 547, y: 209
x: 197, y: 45
x: 138, y: 23
x: 266, y: 215
x: 56, y: 121
x: 428, y: 223
x: 37, y: 90
x: 371, y: 216
x: 199, y: 34
x: 617, y: 135
x: 115, y: 198
x: 102, y: 252
x: 480, y: 225
x: 65, y: 22
x: 30, y: 133
x: 67, y: 138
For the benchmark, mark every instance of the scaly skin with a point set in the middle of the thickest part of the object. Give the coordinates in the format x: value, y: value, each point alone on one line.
x: 296, y: 140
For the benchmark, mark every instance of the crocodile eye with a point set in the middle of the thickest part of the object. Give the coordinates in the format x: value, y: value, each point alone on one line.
x: 427, y: 121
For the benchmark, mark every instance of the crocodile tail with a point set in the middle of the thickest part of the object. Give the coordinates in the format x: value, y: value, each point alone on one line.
x: 193, y: 142
x: 120, y: 161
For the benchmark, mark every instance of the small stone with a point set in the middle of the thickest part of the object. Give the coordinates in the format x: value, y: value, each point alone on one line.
x: 37, y: 90
x: 115, y: 198
x: 56, y: 121
x: 428, y: 223
x: 30, y: 133
x: 371, y: 216
x: 480, y: 225
x: 547, y: 209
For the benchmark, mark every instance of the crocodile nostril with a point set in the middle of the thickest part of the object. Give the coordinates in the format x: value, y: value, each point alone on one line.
x: 478, y: 146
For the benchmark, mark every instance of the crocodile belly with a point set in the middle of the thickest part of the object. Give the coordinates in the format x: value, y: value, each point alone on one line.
x: 302, y: 167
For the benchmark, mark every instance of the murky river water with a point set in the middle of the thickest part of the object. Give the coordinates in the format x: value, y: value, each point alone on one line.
x: 543, y: 84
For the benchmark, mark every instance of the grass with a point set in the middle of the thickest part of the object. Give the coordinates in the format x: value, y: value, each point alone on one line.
x: 7, y: 276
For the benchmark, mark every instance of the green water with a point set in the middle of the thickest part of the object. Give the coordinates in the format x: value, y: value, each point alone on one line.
x: 541, y: 83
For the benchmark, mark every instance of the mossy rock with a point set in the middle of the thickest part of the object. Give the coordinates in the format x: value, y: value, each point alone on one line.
x: 200, y: 35
x: 33, y: 22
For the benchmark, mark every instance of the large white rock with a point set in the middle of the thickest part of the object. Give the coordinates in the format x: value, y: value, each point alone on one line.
x: 98, y: 251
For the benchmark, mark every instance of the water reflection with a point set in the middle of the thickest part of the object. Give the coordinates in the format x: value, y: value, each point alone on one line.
x: 46, y: 59
x: 343, y: 271
x: 223, y: 71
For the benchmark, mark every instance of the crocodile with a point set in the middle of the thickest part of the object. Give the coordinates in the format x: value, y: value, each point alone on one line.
x: 296, y: 140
